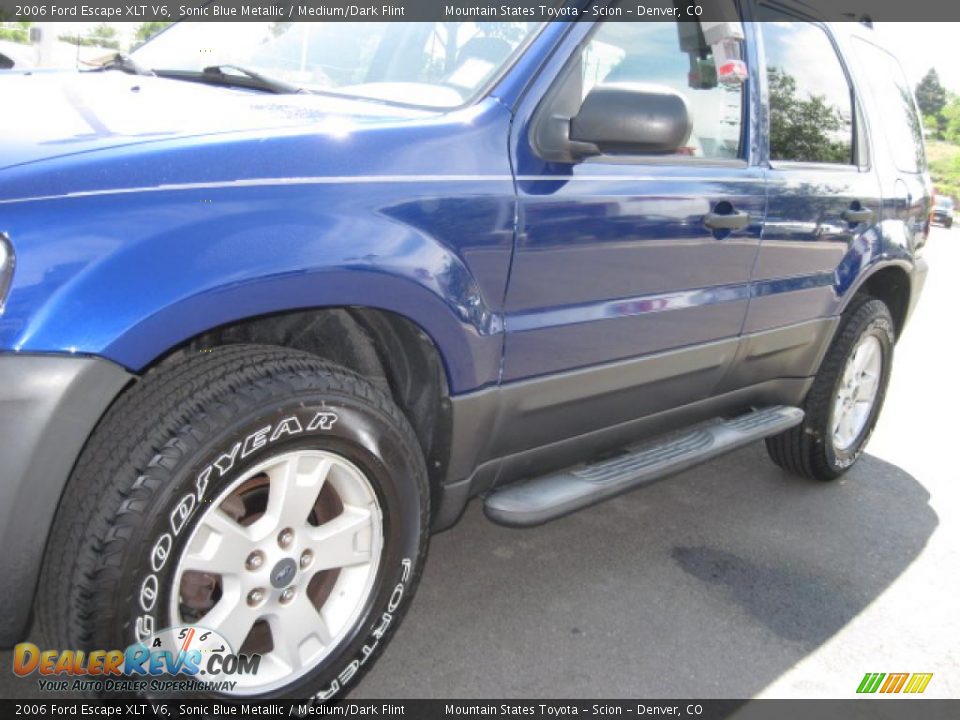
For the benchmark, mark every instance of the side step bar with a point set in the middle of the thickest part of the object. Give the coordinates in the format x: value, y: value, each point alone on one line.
x: 539, y: 499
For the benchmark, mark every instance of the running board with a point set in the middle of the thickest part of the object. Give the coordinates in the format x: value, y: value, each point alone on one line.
x: 539, y: 499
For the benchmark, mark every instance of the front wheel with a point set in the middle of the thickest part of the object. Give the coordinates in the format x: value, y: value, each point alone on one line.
x: 845, y: 400
x: 251, y: 501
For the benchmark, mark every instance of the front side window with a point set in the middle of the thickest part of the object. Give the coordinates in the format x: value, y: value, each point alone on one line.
x: 810, y: 101
x: 674, y: 55
x: 440, y: 64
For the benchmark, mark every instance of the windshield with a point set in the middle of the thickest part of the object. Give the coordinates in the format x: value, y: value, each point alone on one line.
x: 945, y: 203
x: 411, y: 63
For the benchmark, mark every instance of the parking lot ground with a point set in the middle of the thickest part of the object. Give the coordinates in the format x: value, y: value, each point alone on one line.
x: 733, y: 579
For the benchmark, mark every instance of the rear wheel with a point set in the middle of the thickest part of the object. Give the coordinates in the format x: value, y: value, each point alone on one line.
x: 252, y: 498
x: 845, y: 400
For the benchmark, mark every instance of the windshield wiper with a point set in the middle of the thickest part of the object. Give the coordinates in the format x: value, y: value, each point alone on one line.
x: 124, y: 63
x: 243, y: 77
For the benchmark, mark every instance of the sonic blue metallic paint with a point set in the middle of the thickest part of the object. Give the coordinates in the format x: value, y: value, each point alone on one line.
x: 155, y: 225
x: 132, y: 249
x: 146, y: 211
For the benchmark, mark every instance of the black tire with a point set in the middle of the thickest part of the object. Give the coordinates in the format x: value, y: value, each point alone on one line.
x: 808, y: 449
x: 948, y: 223
x: 146, y: 456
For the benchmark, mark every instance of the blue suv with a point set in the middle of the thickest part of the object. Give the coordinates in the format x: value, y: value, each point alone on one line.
x: 279, y: 299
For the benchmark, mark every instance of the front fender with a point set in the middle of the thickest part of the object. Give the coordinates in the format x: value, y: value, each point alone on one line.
x: 129, y: 277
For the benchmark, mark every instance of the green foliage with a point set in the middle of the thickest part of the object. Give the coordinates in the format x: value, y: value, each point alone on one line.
x: 931, y: 96
x: 801, y: 129
x: 949, y: 120
x: 18, y: 32
x: 147, y: 30
x: 103, y: 35
x: 944, y: 159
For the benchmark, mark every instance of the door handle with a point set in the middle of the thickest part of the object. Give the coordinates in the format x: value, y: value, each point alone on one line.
x: 735, y: 220
x: 856, y: 215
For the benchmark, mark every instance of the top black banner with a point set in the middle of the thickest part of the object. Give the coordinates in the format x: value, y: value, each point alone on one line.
x: 457, y: 10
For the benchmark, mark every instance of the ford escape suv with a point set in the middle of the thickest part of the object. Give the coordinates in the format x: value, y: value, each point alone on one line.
x: 279, y: 299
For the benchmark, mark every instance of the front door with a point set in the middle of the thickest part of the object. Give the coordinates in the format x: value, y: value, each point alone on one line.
x: 618, y: 276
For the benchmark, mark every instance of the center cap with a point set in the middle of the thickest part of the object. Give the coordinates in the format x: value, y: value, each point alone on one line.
x: 283, y: 572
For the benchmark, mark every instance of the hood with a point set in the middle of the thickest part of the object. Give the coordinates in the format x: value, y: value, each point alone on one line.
x: 58, y: 114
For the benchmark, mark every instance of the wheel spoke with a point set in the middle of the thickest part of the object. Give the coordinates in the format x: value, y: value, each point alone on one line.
x: 869, y: 383
x: 220, y: 546
x: 294, y: 486
x: 850, y: 370
x: 298, y: 632
x: 864, y: 356
x: 231, y: 616
x: 838, y: 433
x: 847, y: 427
x: 343, y: 541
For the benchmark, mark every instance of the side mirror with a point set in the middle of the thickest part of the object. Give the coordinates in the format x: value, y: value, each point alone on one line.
x: 631, y: 118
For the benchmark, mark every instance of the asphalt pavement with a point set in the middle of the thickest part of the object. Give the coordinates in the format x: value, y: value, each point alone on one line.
x: 733, y: 579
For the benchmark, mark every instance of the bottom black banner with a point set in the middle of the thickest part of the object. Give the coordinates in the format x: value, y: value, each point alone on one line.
x: 914, y: 709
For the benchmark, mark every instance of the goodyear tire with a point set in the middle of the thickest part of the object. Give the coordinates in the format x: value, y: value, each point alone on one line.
x: 259, y: 497
x: 846, y: 398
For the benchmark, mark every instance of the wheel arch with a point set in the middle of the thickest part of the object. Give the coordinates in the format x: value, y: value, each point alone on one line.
x: 389, y: 349
x: 890, y: 283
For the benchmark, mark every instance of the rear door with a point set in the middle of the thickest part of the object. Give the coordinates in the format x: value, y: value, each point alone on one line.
x: 824, y: 194
x: 614, y: 261
x: 898, y: 135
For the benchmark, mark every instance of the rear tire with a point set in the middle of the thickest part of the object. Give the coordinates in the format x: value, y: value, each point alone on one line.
x: 836, y: 425
x: 265, y: 494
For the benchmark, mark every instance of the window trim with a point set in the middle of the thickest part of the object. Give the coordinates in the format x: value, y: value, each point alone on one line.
x: 543, y: 112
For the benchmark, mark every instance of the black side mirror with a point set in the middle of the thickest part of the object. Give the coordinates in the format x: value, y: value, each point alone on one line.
x: 635, y: 118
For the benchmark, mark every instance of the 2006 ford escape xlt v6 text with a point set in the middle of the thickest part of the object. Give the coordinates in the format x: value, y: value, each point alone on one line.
x: 270, y: 322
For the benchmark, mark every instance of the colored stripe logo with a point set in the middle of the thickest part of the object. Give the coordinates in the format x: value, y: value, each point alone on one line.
x: 894, y: 683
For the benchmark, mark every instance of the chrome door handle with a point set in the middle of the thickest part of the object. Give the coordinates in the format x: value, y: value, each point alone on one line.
x: 858, y: 215
x: 735, y: 220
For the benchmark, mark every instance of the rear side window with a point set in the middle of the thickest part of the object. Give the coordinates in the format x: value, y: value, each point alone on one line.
x: 811, y: 103
x: 897, y: 111
x: 674, y: 55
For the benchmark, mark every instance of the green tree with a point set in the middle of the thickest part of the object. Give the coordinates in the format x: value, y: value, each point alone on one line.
x: 147, y: 30
x: 949, y: 122
x: 931, y: 97
x: 18, y: 32
x: 805, y: 130
x: 103, y: 35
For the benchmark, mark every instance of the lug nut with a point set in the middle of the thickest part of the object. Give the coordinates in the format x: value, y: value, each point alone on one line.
x: 255, y: 597
x: 306, y: 559
x: 255, y: 561
x: 285, y: 538
x: 287, y: 595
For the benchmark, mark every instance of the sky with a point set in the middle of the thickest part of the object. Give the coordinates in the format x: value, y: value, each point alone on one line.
x: 921, y: 46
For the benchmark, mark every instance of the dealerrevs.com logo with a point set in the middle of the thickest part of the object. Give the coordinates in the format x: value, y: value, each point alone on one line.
x: 179, y: 659
x: 911, y: 683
